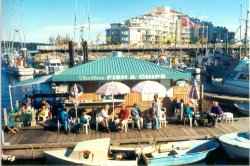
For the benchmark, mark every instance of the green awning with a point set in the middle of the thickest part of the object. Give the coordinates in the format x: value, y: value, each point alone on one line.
x: 33, y: 81
x: 119, y: 68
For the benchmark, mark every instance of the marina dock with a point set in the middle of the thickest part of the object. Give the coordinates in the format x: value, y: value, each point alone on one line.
x: 30, y: 143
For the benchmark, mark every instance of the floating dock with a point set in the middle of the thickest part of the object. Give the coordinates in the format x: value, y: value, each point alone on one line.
x: 30, y: 143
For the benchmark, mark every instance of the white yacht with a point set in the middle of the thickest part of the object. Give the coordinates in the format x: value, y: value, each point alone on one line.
x: 53, y: 66
x: 237, y: 82
x: 18, y: 66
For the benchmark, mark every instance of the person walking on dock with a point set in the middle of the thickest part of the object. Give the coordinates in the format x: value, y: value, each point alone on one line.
x: 156, y: 107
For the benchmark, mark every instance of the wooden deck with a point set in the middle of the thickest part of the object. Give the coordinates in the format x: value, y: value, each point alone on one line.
x: 30, y: 143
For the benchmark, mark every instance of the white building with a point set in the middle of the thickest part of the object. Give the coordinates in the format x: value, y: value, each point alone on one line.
x: 160, y: 26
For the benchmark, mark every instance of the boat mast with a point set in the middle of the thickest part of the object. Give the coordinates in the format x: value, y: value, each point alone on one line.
x: 240, y: 26
x: 75, y: 23
x: 88, y: 10
x: 245, y: 39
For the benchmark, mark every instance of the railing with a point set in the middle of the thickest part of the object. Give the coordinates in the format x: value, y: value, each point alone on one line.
x: 137, y: 46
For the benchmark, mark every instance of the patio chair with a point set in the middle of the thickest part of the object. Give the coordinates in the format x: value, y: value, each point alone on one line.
x: 138, y: 123
x: 163, y: 120
x: 125, y: 126
x: 86, y: 126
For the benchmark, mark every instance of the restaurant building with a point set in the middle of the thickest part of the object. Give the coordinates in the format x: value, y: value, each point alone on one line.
x: 90, y: 76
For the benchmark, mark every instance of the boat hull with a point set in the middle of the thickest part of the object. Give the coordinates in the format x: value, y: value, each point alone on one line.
x: 243, y: 108
x: 236, y: 145
x: 21, y: 71
x: 177, y: 160
x: 235, y: 152
x: 192, y: 155
x: 57, y: 157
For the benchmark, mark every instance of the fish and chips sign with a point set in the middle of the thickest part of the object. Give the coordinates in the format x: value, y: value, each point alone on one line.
x: 124, y: 77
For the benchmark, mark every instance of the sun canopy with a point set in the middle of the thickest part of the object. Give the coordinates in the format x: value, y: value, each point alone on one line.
x: 33, y: 81
x: 119, y: 68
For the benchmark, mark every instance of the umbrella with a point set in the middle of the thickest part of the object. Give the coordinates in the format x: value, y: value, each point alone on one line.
x: 113, y: 88
x: 150, y: 87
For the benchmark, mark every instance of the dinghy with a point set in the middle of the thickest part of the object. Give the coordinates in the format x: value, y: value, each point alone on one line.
x: 93, y: 153
x: 179, y: 153
x: 236, y: 145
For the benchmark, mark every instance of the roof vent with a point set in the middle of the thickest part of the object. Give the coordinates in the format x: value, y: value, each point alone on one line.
x: 117, y: 54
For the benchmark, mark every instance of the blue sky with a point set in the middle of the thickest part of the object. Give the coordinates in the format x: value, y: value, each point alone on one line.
x: 39, y: 19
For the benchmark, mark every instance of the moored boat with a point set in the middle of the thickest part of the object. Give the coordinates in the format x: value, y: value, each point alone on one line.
x: 243, y: 108
x: 179, y: 153
x: 23, y: 71
x: 95, y: 153
x: 236, y: 145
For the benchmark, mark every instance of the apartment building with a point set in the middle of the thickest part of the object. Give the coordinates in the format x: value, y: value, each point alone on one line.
x: 162, y: 25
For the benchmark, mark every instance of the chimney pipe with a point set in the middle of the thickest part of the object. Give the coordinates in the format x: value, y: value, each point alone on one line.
x: 71, y: 54
x: 85, y: 51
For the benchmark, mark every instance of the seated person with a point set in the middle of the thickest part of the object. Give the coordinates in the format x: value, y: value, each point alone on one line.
x: 43, y: 113
x: 84, y: 119
x: 136, y: 116
x: 216, y: 109
x: 64, y: 120
x: 10, y: 127
x: 123, y: 116
x: 189, y: 113
x: 103, y: 118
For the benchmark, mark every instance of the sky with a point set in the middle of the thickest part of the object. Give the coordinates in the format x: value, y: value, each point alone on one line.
x: 37, y: 20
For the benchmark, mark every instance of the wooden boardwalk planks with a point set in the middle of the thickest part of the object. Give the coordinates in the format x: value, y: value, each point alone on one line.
x: 40, y: 139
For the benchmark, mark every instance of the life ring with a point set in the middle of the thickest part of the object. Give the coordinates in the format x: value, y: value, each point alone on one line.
x: 85, y: 154
x: 75, y: 90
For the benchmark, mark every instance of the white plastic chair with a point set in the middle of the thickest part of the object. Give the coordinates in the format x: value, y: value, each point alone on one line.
x: 86, y: 126
x: 163, y: 120
x: 125, y: 126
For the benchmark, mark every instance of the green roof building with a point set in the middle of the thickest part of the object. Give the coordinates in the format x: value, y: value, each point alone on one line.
x: 117, y: 68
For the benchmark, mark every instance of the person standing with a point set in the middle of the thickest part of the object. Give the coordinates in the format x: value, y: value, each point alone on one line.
x: 181, y: 108
x: 156, y: 106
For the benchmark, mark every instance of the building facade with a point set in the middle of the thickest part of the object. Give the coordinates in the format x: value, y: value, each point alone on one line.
x: 163, y: 25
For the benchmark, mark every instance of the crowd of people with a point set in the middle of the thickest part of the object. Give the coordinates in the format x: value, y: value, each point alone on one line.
x: 107, y: 120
